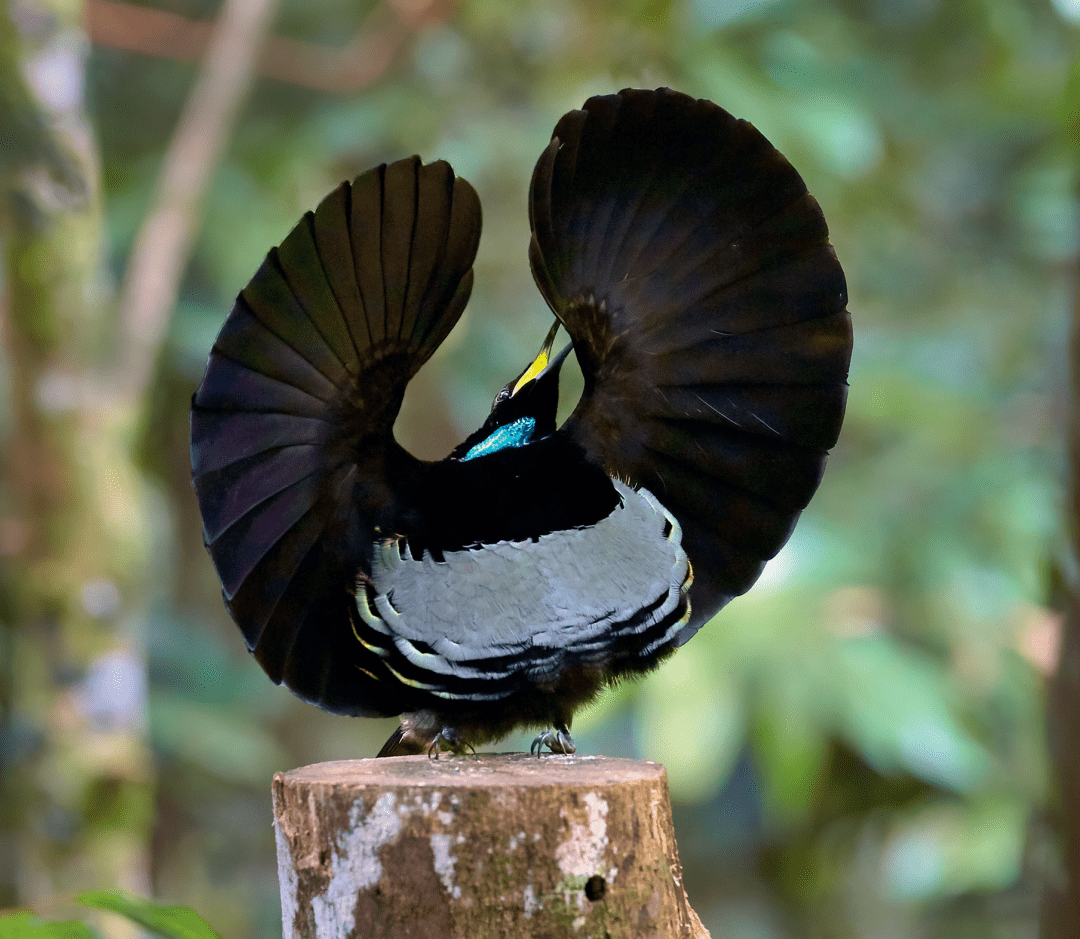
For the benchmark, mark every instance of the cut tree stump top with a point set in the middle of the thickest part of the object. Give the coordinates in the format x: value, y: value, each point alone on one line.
x: 479, y: 846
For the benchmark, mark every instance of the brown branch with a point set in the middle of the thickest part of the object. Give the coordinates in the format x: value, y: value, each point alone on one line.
x: 144, y: 29
x: 361, y: 61
x: 164, y: 241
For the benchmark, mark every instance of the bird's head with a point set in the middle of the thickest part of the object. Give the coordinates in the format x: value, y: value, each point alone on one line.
x: 524, y: 410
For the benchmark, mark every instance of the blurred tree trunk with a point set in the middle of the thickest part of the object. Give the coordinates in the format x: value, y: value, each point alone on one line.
x: 75, y: 793
x: 76, y: 786
x: 1061, y: 908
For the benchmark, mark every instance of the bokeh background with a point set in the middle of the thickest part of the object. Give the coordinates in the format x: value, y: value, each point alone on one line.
x: 858, y: 747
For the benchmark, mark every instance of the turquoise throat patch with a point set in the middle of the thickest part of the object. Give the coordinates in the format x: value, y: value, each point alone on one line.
x: 514, y: 434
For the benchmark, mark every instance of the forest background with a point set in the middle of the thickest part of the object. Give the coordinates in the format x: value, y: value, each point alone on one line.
x: 857, y: 748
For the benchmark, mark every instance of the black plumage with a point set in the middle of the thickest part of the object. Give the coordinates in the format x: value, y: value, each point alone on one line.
x: 507, y: 583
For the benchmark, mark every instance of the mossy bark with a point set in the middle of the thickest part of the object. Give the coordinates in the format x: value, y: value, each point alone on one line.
x: 471, y: 847
x: 76, y: 788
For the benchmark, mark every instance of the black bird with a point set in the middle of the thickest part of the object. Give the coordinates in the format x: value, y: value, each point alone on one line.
x: 506, y: 584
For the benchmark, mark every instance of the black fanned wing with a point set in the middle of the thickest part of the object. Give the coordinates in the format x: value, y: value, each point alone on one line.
x: 708, y: 311
x: 296, y: 409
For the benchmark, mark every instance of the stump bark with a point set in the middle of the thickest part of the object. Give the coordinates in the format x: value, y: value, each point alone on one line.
x: 479, y: 846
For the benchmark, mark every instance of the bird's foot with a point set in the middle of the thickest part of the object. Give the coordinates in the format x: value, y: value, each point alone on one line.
x: 449, y: 739
x: 557, y: 741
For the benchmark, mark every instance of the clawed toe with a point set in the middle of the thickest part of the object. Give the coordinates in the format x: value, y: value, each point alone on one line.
x: 448, y: 739
x: 557, y: 741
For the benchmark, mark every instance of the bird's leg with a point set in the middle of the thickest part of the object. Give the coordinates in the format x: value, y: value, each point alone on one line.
x: 557, y: 741
x: 449, y: 738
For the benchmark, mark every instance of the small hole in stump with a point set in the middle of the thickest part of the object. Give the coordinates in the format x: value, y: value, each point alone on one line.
x: 595, y: 888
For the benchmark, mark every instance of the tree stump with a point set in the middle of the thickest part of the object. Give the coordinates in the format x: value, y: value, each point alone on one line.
x: 479, y: 846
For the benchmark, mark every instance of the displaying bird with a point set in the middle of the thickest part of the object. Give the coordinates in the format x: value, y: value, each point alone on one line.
x: 506, y: 584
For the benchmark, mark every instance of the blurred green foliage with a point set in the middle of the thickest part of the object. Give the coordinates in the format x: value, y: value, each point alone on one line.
x: 30, y: 926
x: 856, y: 748
x: 165, y: 922
x: 168, y: 922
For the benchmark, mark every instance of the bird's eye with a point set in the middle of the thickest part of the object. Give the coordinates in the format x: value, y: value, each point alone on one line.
x: 501, y: 396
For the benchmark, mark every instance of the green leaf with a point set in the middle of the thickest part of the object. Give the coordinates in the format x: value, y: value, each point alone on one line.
x: 790, y: 750
x: 226, y: 743
x: 897, y: 710
x: 171, y: 922
x: 28, y: 925
x: 691, y: 719
x: 947, y: 848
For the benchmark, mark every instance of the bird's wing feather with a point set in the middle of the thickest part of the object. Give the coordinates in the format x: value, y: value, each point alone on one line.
x: 694, y: 273
x: 304, y: 381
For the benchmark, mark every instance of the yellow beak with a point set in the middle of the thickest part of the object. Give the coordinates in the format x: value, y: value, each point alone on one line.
x: 540, y: 362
